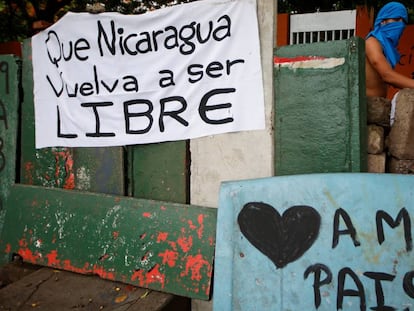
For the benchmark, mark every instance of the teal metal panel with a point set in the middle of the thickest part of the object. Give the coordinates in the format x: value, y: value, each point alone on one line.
x: 321, y: 242
x: 320, y: 108
x: 9, y: 121
x: 153, y: 244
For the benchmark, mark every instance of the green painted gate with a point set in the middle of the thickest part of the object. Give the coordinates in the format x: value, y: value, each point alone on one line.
x: 77, y: 209
x: 320, y: 108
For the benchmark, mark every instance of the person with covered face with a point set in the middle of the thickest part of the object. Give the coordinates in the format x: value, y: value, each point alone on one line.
x: 382, y: 54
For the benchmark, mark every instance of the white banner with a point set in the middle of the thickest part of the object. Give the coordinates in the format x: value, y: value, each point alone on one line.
x: 176, y: 73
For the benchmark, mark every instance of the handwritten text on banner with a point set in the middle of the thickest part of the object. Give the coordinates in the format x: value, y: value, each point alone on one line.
x: 176, y: 73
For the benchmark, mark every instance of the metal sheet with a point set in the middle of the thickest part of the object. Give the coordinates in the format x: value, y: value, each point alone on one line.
x: 160, y: 171
x: 320, y: 122
x: 9, y: 105
x: 158, y: 245
x: 315, y: 242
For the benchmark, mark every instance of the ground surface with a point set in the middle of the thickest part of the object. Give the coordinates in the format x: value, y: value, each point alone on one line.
x: 28, y: 287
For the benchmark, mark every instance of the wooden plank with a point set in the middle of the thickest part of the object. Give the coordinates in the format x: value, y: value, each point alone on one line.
x: 315, y: 242
x: 14, y: 271
x: 320, y: 123
x: 50, y: 289
x: 9, y: 106
x: 160, y: 171
x: 68, y: 168
x: 163, y: 246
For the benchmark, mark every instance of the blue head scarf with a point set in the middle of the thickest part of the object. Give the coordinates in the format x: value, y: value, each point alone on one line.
x: 389, y: 34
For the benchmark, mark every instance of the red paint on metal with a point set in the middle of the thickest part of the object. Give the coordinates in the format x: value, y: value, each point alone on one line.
x: 8, y: 248
x: 173, y: 245
x: 191, y: 225
x: 155, y: 276
x: 23, y: 243
x: 169, y: 257
x: 28, y: 172
x: 52, y: 260
x: 70, y: 176
x: 162, y: 237
x: 284, y: 60
x: 67, y: 265
x: 103, y: 273
x: 185, y: 243
x: 200, y: 220
x: 152, y: 276
x: 29, y: 256
x: 146, y: 214
x: 194, y: 264
x: 200, y: 230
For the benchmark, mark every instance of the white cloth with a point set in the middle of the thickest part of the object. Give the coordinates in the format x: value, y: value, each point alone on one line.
x: 393, y: 104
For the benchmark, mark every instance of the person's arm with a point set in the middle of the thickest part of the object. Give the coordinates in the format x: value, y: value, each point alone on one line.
x: 374, y: 54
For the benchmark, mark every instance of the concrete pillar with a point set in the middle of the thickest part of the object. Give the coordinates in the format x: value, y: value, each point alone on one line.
x: 239, y: 155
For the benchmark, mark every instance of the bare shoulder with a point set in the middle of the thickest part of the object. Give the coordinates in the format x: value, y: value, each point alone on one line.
x: 374, y: 66
x: 373, y: 45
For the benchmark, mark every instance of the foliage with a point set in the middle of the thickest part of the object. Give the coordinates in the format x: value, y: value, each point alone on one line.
x: 20, y: 19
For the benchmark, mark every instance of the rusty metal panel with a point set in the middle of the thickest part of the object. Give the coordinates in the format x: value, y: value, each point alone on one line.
x: 92, y: 169
x: 315, y: 242
x: 9, y: 105
x: 158, y: 245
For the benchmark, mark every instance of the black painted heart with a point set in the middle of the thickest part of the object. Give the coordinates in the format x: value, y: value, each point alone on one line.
x: 283, y: 239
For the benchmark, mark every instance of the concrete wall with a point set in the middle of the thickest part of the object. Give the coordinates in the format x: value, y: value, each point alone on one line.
x: 241, y: 155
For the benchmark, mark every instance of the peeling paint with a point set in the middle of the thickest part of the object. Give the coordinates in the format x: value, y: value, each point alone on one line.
x: 153, y: 276
x: 28, y: 172
x: 169, y: 257
x: 194, y: 265
x: 152, y: 247
x: 83, y: 178
x: 185, y: 243
x: 147, y: 215
x: 309, y: 62
x: 162, y: 237
x: 200, y: 220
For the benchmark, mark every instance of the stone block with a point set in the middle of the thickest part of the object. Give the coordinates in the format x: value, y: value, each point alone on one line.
x: 401, y: 137
x: 375, y: 139
x: 401, y: 166
x: 376, y: 163
x: 378, y: 111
